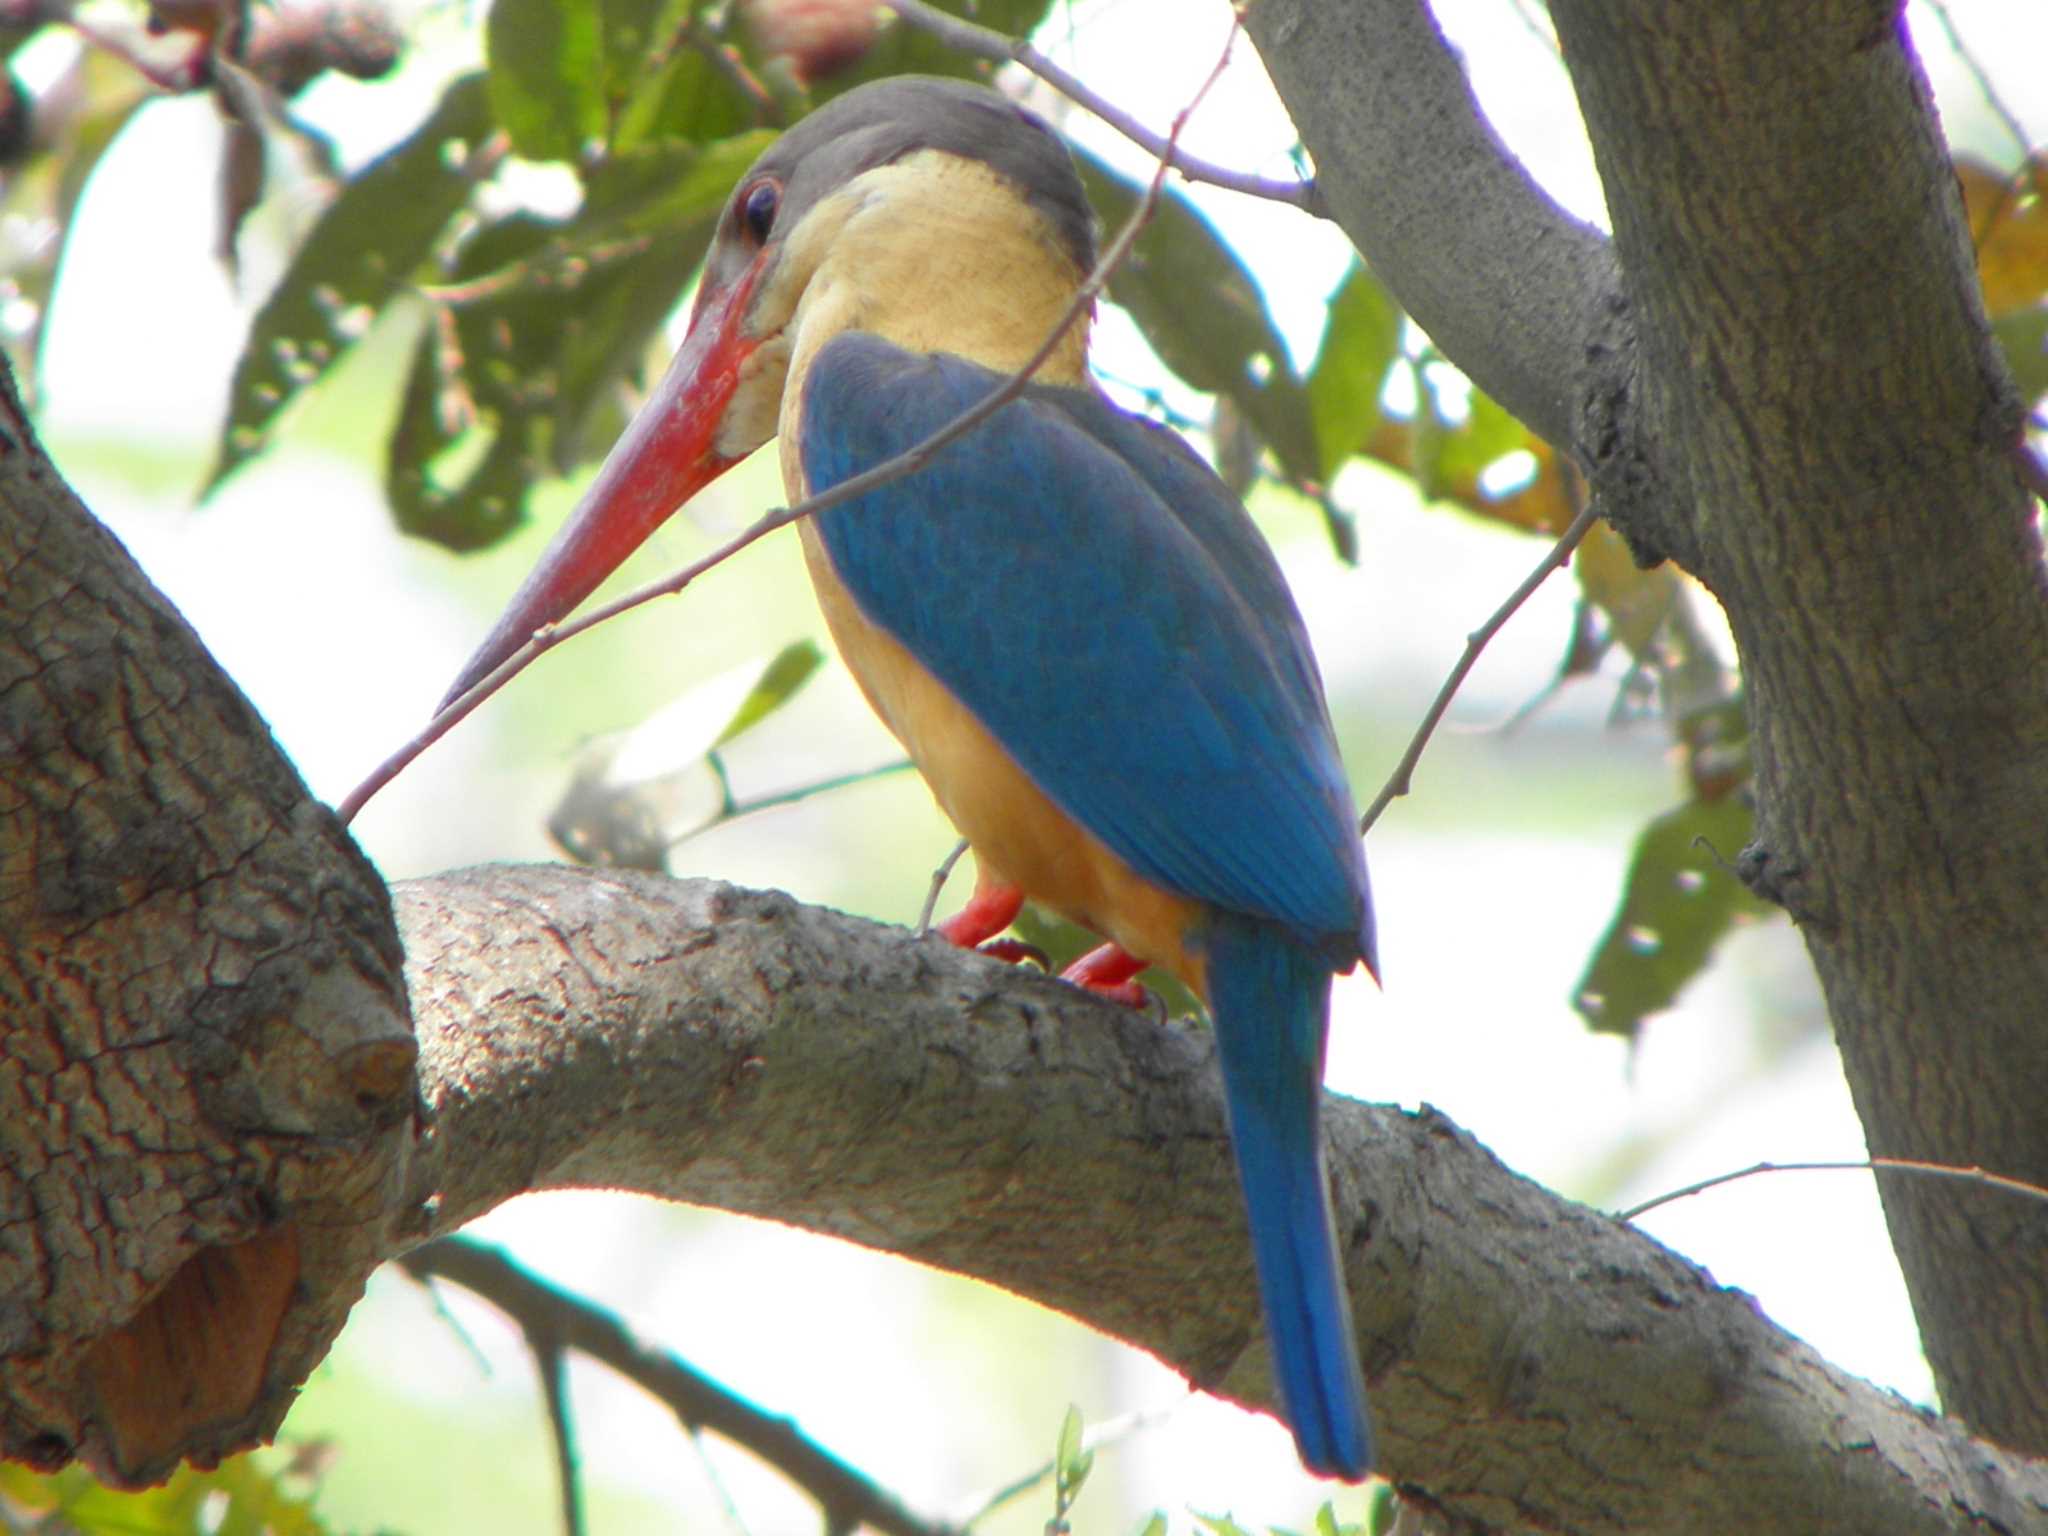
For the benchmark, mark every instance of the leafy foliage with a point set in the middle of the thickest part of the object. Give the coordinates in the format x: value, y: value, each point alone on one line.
x: 1680, y: 899
x: 363, y: 252
x: 237, y: 1498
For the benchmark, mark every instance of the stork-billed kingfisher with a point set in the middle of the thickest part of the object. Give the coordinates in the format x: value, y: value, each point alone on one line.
x: 1069, y: 622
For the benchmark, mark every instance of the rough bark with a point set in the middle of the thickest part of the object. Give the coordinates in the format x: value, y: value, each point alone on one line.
x: 1781, y: 374
x: 1776, y: 370
x: 1537, y: 1365
x: 205, y: 1050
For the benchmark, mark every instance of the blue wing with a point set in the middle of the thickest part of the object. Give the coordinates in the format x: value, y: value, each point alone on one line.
x: 1101, y: 602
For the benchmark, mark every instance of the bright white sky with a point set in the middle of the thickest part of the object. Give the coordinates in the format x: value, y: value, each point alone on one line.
x: 344, y: 635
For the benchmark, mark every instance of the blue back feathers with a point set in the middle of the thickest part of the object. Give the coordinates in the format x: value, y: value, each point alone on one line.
x: 1183, y: 721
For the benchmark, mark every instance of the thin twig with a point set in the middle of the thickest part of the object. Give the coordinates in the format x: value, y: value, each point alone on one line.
x: 553, y: 1362
x: 1992, y: 99
x: 939, y: 878
x: 736, y: 1521
x: 1404, y: 771
x: 732, y: 808
x: 999, y: 47
x: 1110, y: 1432
x: 557, y: 266
x: 912, y: 459
x: 1972, y: 1175
x: 727, y: 61
x: 546, y: 1314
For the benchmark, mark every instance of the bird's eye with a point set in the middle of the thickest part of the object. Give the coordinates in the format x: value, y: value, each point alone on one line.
x: 758, y: 207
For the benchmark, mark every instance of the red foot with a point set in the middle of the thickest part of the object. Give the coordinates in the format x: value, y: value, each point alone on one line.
x: 990, y: 910
x: 1108, y: 972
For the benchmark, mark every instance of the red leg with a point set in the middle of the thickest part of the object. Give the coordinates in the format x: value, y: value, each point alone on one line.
x: 990, y: 910
x: 1108, y: 972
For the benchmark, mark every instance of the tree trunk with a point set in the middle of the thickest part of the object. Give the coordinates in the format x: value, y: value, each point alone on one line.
x: 1780, y: 373
x: 206, y: 1063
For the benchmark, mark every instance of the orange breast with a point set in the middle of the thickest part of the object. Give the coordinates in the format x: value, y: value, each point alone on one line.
x: 1018, y: 835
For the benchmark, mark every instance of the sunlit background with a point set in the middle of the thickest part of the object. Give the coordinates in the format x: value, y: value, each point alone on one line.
x: 1494, y: 879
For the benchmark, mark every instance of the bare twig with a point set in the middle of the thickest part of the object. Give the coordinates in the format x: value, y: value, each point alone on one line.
x: 732, y: 808
x: 939, y: 878
x: 1398, y: 781
x: 734, y: 1520
x: 1989, y: 91
x: 1869, y: 1165
x: 552, y: 1318
x: 727, y: 61
x: 987, y: 43
x: 552, y: 1360
x: 912, y: 459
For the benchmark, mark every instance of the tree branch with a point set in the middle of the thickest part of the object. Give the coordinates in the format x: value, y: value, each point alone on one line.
x: 1519, y: 294
x: 1539, y: 1366
x: 554, y: 1319
x: 986, y: 43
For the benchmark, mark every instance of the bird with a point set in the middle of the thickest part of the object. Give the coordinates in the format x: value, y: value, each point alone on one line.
x: 1071, y: 624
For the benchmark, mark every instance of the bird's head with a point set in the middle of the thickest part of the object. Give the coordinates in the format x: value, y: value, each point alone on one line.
x: 933, y: 212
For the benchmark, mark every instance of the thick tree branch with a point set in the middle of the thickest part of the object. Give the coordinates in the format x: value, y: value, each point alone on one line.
x: 1539, y: 1366
x: 1522, y: 296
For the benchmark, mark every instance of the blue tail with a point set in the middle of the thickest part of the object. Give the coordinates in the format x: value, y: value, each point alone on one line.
x: 1270, y: 998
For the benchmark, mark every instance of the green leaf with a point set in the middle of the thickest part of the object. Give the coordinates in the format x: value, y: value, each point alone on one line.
x: 460, y: 500
x: 1204, y: 315
x: 476, y: 418
x: 1220, y: 1525
x: 547, y: 76
x: 1383, y: 1505
x: 1071, y: 1463
x: 1154, y: 1525
x: 545, y: 321
x: 780, y: 679
x: 43, y: 191
x: 363, y: 250
x: 1680, y: 898
x: 659, y: 83
x: 1456, y: 455
x: 1360, y: 342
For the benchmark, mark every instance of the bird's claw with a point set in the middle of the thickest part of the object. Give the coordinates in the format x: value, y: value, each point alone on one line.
x: 1015, y: 952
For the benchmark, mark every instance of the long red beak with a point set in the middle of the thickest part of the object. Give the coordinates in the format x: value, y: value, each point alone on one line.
x: 668, y: 453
